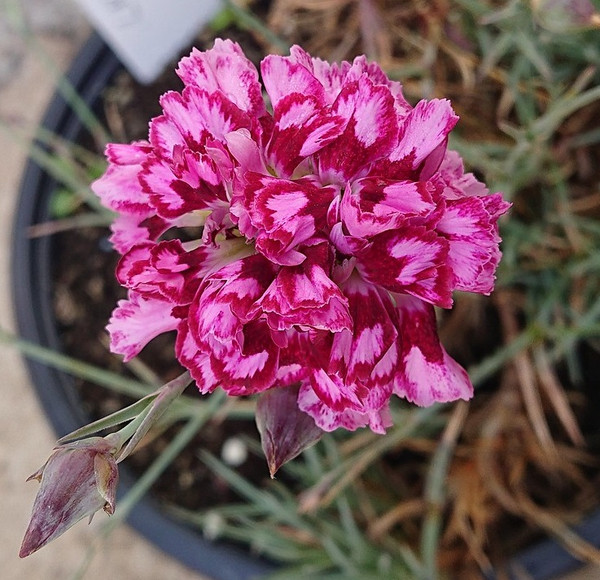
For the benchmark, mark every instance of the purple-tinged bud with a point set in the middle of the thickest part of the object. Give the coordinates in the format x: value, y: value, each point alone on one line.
x: 78, y: 479
x: 285, y: 430
x: 566, y: 15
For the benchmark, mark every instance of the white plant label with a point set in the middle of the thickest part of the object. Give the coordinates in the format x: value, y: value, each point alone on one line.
x: 147, y: 34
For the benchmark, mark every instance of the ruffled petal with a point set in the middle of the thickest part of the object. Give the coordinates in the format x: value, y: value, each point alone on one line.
x: 305, y: 296
x: 176, y: 190
x: 242, y: 356
x: 285, y: 213
x: 329, y: 419
x: 334, y: 392
x: 246, y: 152
x: 225, y: 69
x: 350, y: 381
x: 373, y: 205
x: 251, y: 369
x: 170, y: 271
x: 473, y: 239
x: 302, y: 127
x: 239, y: 284
x: 129, y: 230
x: 284, y: 76
x: 355, y: 355
x: 132, y: 269
x: 165, y: 137
x: 427, y: 374
x: 136, y: 321
x: 424, y: 129
x: 293, y: 358
x: 333, y: 76
x: 370, y: 133
x: 457, y: 183
x: 421, y: 147
x: 196, y: 361
x: 127, y: 153
x: 495, y: 206
x: 199, y: 115
x: 119, y: 188
x: 412, y: 261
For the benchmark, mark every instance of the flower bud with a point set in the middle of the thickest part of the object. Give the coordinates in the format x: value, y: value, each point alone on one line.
x: 78, y: 479
x: 285, y: 430
x: 566, y: 15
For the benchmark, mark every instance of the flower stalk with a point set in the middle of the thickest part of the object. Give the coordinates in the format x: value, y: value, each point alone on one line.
x: 162, y: 400
x: 81, y: 475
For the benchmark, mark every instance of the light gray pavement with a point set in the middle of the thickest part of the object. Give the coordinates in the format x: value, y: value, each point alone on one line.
x: 25, y: 438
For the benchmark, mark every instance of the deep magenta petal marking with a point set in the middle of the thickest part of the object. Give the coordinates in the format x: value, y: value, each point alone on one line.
x: 413, y: 261
x: 301, y: 242
x: 428, y: 374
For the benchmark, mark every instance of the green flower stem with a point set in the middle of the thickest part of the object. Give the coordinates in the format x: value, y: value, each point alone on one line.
x: 117, y: 418
x: 145, y: 482
x: 183, y: 408
x: 165, y: 396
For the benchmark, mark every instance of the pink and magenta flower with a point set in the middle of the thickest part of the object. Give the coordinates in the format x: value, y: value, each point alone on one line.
x: 302, y: 240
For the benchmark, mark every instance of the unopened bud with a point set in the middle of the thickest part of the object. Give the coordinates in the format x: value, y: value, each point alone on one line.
x: 78, y: 479
x: 285, y: 430
x: 566, y: 15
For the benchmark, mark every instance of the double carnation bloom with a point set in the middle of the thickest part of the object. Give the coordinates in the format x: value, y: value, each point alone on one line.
x: 304, y: 241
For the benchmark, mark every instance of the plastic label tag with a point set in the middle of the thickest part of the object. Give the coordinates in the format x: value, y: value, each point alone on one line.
x: 147, y: 34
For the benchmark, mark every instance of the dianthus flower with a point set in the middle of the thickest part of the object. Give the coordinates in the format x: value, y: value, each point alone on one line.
x: 304, y: 241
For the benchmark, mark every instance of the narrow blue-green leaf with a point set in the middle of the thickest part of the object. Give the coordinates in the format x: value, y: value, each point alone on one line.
x: 112, y: 420
x: 57, y: 360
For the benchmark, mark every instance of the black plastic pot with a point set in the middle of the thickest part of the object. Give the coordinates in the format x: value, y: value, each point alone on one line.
x: 32, y: 295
